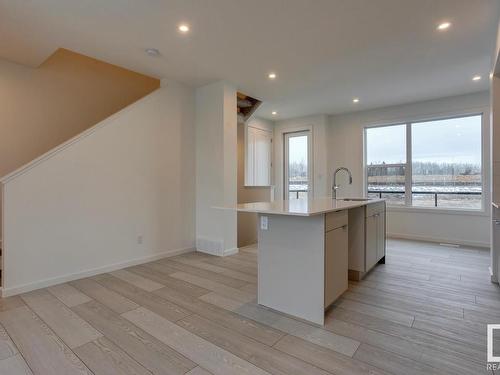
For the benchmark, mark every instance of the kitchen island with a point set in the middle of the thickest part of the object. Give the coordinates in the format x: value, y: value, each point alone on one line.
x: 308, y: 248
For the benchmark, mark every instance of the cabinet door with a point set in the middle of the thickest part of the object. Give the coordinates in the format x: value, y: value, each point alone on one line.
x: 335, y: 264
x: 258, y: 157
x: 262, y: 163
x: 380, y: 236
x: 250, y: 158
x: 371, y: 241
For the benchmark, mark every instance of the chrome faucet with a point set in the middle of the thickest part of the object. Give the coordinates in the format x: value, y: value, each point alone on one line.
x: 335, y: 187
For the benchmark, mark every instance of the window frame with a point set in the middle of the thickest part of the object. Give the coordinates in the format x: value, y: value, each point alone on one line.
x: 408, y: 205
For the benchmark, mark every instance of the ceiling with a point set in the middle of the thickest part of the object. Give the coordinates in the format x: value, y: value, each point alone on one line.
x: 325, y: 52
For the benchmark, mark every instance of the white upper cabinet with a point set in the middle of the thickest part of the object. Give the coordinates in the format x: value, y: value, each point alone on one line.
x: 258, y: 156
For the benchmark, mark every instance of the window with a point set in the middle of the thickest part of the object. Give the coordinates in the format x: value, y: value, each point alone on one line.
x: 426, y: 164
x: 386, y: 162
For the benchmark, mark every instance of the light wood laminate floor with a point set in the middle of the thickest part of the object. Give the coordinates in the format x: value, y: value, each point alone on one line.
x: 424, y: 312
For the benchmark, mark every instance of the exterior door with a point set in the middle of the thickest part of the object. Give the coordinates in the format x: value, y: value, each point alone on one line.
x: 298, y: 165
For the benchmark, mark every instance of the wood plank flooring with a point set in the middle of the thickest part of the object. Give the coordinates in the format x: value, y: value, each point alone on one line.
x: 424, y: 312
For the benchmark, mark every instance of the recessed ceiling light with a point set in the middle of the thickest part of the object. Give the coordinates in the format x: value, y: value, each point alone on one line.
x: 152, y: 52
x: 355, y: 100
x: 183, y: 28
x: 274, y: 113
x: 476, y: 78
x: 444, y: 26
x: 272, y: 75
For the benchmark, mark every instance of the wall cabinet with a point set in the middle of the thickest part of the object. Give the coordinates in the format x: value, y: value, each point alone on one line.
x: 367, y: 236
x: 258, y: 157
x: 336, y: 255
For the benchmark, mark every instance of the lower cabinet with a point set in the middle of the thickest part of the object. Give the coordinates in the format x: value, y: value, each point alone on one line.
x: 366, y: 238
x: 381, y: 235
x: 336, y: 256
x: 371, y: 240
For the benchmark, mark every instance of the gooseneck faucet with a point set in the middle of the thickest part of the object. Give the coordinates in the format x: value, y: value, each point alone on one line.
x: 335, y: 186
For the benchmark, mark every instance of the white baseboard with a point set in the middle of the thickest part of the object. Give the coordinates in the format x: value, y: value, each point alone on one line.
x: 493, y: 278
x: 12, y: 291
x: 230, y: 252
x: 439, y: 240
x: 253, y: 246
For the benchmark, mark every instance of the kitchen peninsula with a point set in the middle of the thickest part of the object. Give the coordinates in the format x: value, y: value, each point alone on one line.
x: 308, y: 248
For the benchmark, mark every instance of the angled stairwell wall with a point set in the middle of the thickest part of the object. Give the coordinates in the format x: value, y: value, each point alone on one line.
x: 43, y: 107
x: 121, y: 193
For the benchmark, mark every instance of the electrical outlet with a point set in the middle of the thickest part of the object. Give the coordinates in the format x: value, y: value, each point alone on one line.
x: 264, y: 222
x: 140, y: 239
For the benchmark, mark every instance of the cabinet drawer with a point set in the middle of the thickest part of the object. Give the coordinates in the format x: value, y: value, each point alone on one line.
x: 335, y: 220
x: 375, y: 208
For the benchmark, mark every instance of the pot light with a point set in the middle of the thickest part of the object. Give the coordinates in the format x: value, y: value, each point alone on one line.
x: 272, y: 75
x: 444, y: 26
x: 476, y: 78
x: 355, y: 100
x: 183, y: 28
x: 152, y: 52
x: 274, y: 113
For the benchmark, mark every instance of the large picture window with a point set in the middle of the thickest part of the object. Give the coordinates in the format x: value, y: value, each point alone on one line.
x: 426, y: 164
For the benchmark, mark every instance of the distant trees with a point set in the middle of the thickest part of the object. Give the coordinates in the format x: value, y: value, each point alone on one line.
x: 426, y: 174
x: 297, y: 169
x: 427, y: 169
x: 455, y: 169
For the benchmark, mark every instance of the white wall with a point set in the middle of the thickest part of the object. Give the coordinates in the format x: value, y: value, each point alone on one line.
x: 216, y: 168
x: 318, y: 126
x: 495, y: 155
x: 261, y: 123
x: 79, y: 210
x: 345, y: 145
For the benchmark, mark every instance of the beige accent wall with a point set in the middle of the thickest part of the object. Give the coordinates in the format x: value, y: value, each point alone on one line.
x: 247, y: 221
x: 68, y: 93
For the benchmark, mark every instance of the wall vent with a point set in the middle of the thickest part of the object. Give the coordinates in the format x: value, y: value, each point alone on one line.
x: 210, y: 246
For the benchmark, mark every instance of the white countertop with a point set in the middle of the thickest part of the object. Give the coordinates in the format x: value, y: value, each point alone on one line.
x: 303, y: 207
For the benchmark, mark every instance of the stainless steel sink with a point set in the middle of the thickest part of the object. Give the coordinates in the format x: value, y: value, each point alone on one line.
x: 355, y: 199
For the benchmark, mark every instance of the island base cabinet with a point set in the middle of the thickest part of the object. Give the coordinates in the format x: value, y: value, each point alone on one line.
x: 291, y: 266
x: 381, y: 237
x: 336, y: 261
x: 371, y: 241
x: 370, y: 226
x: 375, y: 235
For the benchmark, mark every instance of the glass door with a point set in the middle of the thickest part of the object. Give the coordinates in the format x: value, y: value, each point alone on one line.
x: 297, y: 166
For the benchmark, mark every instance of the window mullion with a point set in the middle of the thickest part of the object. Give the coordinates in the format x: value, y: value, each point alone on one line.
x: 408, y: 169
